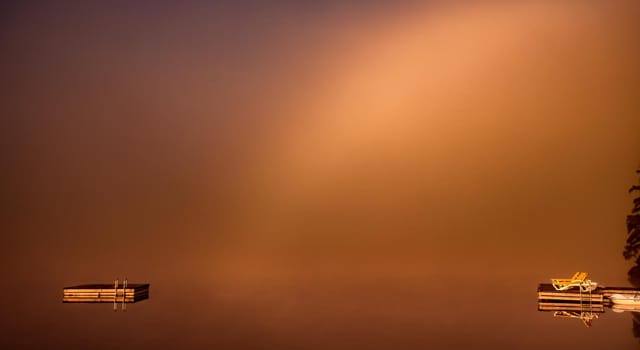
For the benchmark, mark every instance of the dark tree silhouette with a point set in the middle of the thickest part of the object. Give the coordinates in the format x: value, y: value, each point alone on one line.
x: 632, y: 249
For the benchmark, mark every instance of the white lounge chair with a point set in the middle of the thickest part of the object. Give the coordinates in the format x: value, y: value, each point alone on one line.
x: 579, y: 279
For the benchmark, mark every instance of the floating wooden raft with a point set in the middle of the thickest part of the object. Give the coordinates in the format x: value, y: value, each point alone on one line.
x: 601, y: 295
x: 547, y: 293
x: 105, y: 293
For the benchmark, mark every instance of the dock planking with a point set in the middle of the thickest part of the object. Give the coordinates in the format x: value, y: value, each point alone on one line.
x: 105, y: 293
x: 601, y: 295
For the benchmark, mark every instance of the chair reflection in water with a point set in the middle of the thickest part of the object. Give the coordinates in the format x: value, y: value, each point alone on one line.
x: 585, y: 316
x: 579, y: 279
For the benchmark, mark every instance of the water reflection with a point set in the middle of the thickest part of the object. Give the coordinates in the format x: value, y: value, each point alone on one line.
x: 588, y: 311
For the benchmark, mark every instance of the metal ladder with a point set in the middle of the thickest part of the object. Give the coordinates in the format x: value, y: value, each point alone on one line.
x: 124, y: 295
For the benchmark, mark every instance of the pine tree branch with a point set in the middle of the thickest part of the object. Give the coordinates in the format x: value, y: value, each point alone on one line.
x: 633, y: 223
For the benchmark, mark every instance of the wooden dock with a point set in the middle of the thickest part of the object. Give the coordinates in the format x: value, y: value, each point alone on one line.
x: 105, y: 293
x: 601, y: 295
x: 586, y: 306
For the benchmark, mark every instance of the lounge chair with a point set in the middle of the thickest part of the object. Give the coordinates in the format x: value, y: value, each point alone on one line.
x: 579, y: 279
